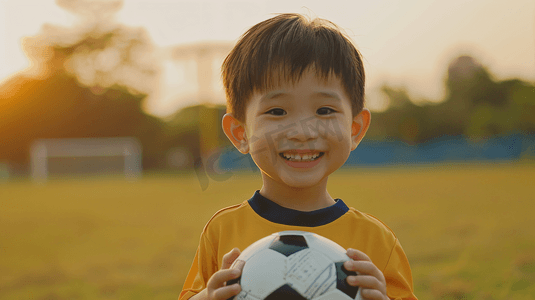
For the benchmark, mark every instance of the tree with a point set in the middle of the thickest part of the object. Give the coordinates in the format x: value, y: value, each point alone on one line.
x: 476, y: 106
x: 92, y: 81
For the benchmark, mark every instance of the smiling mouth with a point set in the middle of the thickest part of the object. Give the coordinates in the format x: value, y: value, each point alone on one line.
x: 301, y: 157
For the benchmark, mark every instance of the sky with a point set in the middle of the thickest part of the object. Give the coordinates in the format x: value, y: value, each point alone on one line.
x: 405, y: 43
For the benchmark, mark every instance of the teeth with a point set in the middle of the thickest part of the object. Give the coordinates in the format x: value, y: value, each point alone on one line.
x: 297, y: 157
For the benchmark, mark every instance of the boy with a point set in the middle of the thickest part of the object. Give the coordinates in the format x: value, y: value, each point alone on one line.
x: 295, y: 102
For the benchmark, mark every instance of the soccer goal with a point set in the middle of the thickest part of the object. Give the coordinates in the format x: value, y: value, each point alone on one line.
x: 85, y: 157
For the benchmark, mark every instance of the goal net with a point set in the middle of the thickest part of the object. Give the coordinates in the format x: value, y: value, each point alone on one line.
x: 85, y: 157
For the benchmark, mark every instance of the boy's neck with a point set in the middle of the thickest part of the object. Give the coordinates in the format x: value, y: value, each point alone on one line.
x: 302, y: 199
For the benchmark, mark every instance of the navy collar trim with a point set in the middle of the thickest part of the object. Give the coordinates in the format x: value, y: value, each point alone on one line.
x: 275, y: 213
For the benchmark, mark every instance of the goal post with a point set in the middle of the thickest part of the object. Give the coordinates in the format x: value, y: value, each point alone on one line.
x: 94, y: 156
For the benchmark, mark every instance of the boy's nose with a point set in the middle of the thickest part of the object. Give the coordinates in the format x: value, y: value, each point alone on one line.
x: 301, y: 133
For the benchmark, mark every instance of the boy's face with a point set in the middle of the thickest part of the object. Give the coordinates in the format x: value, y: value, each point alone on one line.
x: 298, y: 134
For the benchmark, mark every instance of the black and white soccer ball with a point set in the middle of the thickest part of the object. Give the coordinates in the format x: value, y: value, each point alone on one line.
x: 294, y: 265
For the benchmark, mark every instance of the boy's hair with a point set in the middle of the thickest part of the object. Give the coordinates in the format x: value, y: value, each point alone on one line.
x: 281, y: 49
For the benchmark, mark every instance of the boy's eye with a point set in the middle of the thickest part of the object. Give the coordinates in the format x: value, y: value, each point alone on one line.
x: 325, y: 111
x: 276, y: 112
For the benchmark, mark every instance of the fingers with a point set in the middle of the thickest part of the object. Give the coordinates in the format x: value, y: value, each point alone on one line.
x: 238, y: 264
x: 364, y: 268
x: 370, y: 279
x: 368, y: 274
x: 371, y: 294
x: 216, y: 285
x: 362, y: 264
x: 365, y: 281
x: 220, y: 277
x: 226, y: 292
x: 229, y: 258
x: 370, y: 286
x: 357, y: 255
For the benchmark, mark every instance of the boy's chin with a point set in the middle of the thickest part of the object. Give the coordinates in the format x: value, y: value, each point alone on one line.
x: 301, y: 181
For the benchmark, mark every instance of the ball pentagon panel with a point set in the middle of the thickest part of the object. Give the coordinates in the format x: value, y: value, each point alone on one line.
x: 285, y: 292
x: 289, y: 244
x: 341, y: 283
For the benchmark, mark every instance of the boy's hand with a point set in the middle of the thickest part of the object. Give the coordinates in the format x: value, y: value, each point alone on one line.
x: 370, y: 279
x: 216, y: 289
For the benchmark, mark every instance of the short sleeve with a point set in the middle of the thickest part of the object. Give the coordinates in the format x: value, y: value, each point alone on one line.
x: 398, y: 275
x: 203, y: 266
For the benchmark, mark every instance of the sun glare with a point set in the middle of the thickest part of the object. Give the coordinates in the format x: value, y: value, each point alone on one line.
x: 408, y: 44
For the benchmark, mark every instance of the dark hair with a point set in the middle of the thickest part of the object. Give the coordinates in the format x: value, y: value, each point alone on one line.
x: 284, y: 47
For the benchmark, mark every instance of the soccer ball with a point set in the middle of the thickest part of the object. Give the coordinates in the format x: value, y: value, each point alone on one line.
x: 294, y: 265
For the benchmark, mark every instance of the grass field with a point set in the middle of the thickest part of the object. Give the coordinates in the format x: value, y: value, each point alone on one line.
x: 468, y: 230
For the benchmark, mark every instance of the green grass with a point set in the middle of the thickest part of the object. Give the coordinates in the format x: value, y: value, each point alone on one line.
x: 467, y: 230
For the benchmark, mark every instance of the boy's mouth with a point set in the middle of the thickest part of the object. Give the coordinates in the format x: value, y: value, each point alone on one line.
x: 307, y: 156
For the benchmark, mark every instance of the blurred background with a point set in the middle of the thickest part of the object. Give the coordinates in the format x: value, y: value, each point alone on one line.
x: 93, y: 92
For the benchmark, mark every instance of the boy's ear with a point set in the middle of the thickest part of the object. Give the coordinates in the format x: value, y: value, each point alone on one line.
x: 235, y: 131
x: 360, y: 125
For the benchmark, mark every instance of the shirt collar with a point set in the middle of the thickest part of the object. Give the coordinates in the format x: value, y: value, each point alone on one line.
x: 275, y: 213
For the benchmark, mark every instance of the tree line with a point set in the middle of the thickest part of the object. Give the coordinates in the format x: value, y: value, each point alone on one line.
x: 476, y: 106
x: 92, y: 81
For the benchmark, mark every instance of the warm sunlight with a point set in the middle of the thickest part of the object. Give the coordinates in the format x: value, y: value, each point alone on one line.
x: 408, y: 43
x: 124, y: 174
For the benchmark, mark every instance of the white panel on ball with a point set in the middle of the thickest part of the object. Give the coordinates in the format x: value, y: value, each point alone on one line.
x: 332, y: 250
x: 310, y: 273
x: 245, y: 296
x: 292, y: 232
x: 255, y: 247
x: 266, y: 264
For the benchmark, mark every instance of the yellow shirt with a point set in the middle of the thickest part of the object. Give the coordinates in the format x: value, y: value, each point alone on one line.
x: 243, y: 224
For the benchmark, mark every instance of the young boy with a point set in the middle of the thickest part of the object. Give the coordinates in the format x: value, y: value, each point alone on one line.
x: 295, y: 103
